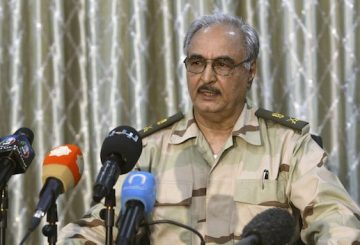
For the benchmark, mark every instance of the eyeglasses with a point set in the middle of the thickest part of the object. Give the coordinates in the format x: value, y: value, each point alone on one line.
x: 221, y: 66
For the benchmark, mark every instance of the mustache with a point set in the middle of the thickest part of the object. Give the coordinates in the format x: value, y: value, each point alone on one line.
x: 209, y: 88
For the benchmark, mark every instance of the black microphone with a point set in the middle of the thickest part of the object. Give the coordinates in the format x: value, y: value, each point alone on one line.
x: 274, y: 226
x: 16, y: 154
x: 137, y: 201
x: 119, y: 153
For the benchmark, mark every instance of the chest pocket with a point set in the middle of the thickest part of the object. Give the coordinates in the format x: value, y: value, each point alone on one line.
x: 252, y: 196
x: 268, y: 192
x: 173, y: 201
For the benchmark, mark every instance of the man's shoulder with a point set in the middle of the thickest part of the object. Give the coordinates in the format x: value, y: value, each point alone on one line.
x: 161, y: 125
x: 277, y: 118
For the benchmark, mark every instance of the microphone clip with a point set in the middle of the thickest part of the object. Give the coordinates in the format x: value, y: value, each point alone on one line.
x: 107, y: 214
x: 50, y: 230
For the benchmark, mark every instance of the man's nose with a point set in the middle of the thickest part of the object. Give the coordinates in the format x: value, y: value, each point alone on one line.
x: 208, y: 75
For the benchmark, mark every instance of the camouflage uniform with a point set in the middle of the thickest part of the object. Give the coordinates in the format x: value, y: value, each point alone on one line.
x: 262, y: 165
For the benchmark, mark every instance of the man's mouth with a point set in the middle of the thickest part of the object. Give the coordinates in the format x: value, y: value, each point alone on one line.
x: 208, y: 91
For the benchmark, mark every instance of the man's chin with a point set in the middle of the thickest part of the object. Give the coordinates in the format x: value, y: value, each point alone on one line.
x: 207, y: 109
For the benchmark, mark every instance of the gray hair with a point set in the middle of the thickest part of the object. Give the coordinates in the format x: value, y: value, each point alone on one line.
x: 251, y: 39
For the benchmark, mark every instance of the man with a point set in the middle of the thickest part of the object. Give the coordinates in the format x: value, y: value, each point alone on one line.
x: 225, y: 162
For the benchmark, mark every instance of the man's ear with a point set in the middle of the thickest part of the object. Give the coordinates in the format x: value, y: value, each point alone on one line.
x: 252, y: 72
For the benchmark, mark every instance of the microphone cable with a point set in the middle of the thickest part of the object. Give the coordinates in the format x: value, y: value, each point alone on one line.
x: 165, y: 221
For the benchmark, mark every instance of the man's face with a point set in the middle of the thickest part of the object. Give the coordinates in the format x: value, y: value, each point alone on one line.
x: 210, y: 92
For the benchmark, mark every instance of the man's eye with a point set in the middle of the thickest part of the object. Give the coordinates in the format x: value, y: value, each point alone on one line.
x: 223, y: 63
x: 196, y: 62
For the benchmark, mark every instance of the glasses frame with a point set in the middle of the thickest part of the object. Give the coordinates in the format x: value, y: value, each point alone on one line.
x: 212, y: 66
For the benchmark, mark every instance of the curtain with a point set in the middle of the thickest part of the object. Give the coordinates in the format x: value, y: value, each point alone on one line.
x: 72, y: 70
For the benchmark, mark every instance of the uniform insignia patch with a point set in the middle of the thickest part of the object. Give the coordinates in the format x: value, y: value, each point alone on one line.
x: 282, y: 119
x: 160, y: 125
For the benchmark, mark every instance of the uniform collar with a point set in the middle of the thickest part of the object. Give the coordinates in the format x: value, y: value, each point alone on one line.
x: 185, y: 129
x: 246, y: 127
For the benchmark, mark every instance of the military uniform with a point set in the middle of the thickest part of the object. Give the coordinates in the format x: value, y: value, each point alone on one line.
x: 269, y: 161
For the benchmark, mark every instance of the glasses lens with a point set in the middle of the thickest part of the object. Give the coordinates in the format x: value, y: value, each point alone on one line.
x: 223, y: 66
x: 195, y: 64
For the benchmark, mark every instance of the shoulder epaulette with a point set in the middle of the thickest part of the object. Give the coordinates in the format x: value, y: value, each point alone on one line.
x: 161, y: 124
x: 282, y: 119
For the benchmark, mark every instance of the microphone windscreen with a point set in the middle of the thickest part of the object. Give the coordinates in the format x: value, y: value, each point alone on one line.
x: 140, y: 186
x: 64, y: 163
x: 122, y: 141
x: 28, y: 133
x: 274, y: 226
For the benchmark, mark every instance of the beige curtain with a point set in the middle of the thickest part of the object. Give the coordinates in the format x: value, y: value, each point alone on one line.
x: 72, y: 70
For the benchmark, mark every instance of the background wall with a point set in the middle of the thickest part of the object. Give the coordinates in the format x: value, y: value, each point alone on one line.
x: 73, y: 70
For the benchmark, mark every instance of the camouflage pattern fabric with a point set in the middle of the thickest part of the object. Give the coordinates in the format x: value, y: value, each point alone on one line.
x: 264, y: 164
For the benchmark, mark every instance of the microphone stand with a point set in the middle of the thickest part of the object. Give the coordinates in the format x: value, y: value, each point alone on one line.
x: 4, y: 204
x: 50, y: 230
x: 107, y: 214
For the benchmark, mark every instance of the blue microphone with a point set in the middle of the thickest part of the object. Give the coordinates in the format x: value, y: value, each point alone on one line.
x: 16, y: 154
x: 137, y: 201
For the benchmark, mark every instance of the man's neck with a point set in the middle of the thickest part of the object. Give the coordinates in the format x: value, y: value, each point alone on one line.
x: 216, y: 127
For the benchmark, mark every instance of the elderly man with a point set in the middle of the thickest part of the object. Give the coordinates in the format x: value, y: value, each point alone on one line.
x: 225, y: 162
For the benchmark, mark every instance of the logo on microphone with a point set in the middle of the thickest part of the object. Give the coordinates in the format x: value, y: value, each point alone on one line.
x: 142, y: 178
x: 128, y: 134
x: 8, y: 141
x: 60, y: 151
x: 24, y: 149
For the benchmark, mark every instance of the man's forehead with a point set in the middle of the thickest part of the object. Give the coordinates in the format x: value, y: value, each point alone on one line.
x: 217, y: 38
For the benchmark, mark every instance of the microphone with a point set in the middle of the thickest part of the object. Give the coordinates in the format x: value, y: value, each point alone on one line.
x: 274, y: 226
x: 119, y: 153
x: 137, y: 201
x: 62, y: 170
x: 16, y: 154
